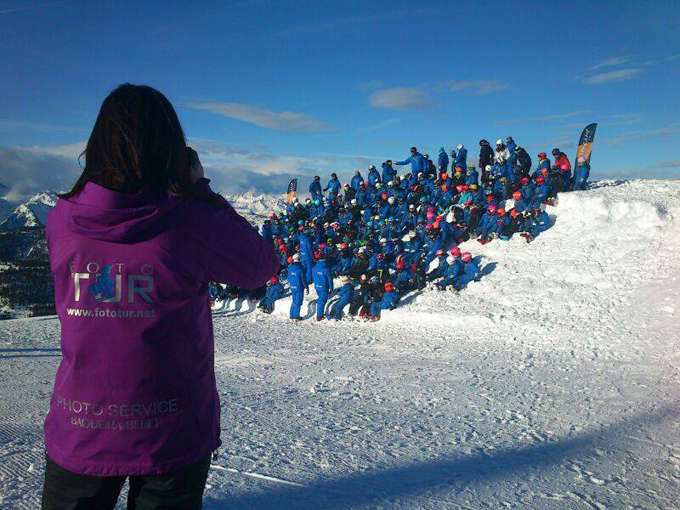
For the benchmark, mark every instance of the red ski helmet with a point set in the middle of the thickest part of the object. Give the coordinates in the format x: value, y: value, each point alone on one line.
x: 525, y: 180
x: 440, y: 253
x: 389, y: 286
x: 540, y: 179
x: 455, y: 251
x: 517, y: 195
x: 466, y: 256
x: 275, y: 280
x: 491, y: 209
x: 500, y: 211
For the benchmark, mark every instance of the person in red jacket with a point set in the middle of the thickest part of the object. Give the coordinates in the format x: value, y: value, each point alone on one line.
x: 564, y: 166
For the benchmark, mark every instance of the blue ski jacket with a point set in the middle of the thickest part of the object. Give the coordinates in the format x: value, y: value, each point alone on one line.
x: 323, y: 279
x: 417, y: 163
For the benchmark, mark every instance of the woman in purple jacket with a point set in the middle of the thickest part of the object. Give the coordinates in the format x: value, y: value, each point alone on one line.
x: 132, y: 248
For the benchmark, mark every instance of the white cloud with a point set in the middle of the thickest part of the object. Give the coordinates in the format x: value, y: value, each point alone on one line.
x: 612, y: 62
x: 400, y: 98
x: 478, y: 87
x: 231, y: 168
x: 27, y: 171
x: 613, y: 76
x: 279, y: 121
x: 237, y: 169
x: 69, y: 150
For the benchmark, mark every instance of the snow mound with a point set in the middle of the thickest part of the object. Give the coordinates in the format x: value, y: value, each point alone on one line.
x: 605, y: 243
x: 32, y: 213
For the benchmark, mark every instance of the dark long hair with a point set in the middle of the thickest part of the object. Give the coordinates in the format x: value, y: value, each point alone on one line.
x: 137, y: 143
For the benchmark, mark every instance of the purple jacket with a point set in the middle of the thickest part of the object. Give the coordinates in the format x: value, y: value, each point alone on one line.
x: 135, y: 392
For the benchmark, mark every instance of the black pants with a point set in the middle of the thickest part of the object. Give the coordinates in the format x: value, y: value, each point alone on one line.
x: 181, y: 489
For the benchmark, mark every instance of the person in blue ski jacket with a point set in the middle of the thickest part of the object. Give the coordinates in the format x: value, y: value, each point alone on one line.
x: 470, y: 271
x: 502, y: 221
x: 581, y: 175
x: 333, y: 186
x: 542, y: 192
x: 306, y: 253
x: 266, y: 231
x: 388, y: 301
x: 274, y: 293
x: 454, y: 268
x: 510, y: 145
x: 315, y: 188
x: 298, y: 285
x: 212, y: 291
x: 388, y: 172
x: 323, y: 284
x: 543, y: 163
x: 373, y: 176
x: 539, y: 222
x: 417, y: 161
x: 521, y: 204
x: 461, y: 158
x: 442, y: 161
x: 442, y: 266
x: 486, y: 222
x: 346, y: 293
x: 472, y: 176
x: 356, y: 181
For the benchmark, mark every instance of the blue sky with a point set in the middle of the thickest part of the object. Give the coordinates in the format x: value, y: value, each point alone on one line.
x: 267, y: 90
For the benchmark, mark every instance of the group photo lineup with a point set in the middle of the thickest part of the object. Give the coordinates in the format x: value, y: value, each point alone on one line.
x: 279, y: 254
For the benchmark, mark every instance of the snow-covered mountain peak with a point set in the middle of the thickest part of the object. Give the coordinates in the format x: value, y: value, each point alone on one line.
x: 31, y: 213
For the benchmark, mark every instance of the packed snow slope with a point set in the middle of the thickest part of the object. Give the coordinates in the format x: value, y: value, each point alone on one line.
x: 551, y: 383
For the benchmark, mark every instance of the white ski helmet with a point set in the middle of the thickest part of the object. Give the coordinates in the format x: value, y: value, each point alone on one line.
x: 450, y: 260
x: 296, y: 257
x: 390, y: 184
x: 390, y: 200
x: 412, y: 234
x: 460, y: 146
x: 354, y: 201
x: 383, y: 240
x: 499, y: 142
x: 450, y: 217
x: 488, y: 168
x: 345, y: 279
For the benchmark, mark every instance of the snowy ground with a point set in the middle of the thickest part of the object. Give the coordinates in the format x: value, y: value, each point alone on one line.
x: 551, y: 383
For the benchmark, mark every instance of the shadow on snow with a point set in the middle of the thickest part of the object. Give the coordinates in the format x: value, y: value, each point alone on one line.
x: 454, y: 473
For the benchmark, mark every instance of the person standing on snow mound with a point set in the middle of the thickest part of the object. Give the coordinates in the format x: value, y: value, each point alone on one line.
x: 135, y: 393
x: 418, y: 163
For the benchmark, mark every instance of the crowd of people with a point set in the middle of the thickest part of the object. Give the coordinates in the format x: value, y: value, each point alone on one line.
x: 384, y: 235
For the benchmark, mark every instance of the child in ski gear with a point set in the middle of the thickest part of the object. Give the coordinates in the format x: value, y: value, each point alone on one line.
x: 274, y: 293
x: 346, y: 294
x: 470, y: 271
x: 388, y: 301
